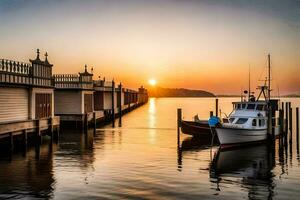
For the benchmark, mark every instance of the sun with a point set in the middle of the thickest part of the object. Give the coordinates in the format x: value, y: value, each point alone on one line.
x: 152, y: 82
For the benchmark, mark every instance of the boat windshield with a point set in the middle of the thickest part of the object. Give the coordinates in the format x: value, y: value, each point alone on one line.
x: 260, y: 107
x: 240, y: 106
x: 241, y: 121
x: 231, y: 119
x: 251, y: 106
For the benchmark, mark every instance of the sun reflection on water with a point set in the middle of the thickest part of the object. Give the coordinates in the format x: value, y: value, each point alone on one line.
x: 152, y: 113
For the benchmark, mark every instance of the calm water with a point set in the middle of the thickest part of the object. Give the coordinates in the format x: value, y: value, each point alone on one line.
x: 141, y: 161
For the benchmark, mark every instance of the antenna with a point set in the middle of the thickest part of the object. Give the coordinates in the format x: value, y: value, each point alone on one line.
x: 269, y: 77
x: 249, y: 85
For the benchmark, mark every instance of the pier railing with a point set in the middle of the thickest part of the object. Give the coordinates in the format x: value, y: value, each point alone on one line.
x: 99, y: 83
x: 14, y: 72
x: 71, y: 81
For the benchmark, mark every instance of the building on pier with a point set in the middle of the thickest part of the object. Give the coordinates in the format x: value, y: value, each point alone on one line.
x: 142, y: 95
x: 26, y: 97
x: 74, y: 97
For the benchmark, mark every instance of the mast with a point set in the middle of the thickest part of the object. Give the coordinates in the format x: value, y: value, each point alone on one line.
x: 249, y: 89
x: 269, y: 77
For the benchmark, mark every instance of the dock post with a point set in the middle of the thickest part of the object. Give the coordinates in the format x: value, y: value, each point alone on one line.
x: 50, y: 129
x: 282, y: 108
x: 281, y: 121
x: 211, y: 113
x: 11, y: 142
x: 291, y: 122
x: 113, y: 103
x: 297, y: 123
x: 271, y: 133
x: 286, y: 118
x: 217, y: 107
x: 120, y: 104
x: 57, y: 134
x: 25, y: 139
x: 179, y: 119
x: 38, y: 132
x: 95, y: 122
x: 85, y: 126
x: 297, y: 129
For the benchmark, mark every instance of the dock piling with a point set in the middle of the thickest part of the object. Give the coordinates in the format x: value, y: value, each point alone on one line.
x: 286, y: 117
x: 25, y: 139
x: 271, y: 133
x: 38, y: 133
x: 113, y: 103
x: 85, y: 126
x: 120, y: 104
x: 95, y: 122
x: 217, y: 107
x: 291, y: 122
x: 281, y: 121
x: 211, y: 113
x: 179, y: 119
x: 11, y: 142
x: 297, y: 123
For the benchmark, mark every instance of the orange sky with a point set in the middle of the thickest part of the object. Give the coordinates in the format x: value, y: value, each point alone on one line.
x: 201, y: 45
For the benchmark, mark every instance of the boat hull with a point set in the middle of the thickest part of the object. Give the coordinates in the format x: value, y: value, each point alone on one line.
x: 234, y: 136
x: 196, y: 129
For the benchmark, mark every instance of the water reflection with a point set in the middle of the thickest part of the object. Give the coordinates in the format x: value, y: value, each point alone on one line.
x: 191, y: 144
x: 141, y: 160
x: 30, y: 176
x: 152, y: 113
x: 76, y: 149
x: 248, y: 168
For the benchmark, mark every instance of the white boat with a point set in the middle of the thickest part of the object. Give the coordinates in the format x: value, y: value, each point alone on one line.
x: 246, y: 123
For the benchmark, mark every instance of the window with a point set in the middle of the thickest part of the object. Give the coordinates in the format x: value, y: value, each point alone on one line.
x: 260, y: 107
x: 254, y: 122
x: 251, y: 107
x: 238, y: 106
x: 243, y: 106
x: 231, y: 119
x: 241, y: 121
x: 261, y: 122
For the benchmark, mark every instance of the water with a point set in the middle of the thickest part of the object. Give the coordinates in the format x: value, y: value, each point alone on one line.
x: 141, y: 161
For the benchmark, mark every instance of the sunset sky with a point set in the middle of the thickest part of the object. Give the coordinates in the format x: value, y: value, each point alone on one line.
x: 193, y: 44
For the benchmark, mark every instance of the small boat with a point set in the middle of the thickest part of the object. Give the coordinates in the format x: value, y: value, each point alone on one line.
x: 199, y: 129
x: 196, y: 128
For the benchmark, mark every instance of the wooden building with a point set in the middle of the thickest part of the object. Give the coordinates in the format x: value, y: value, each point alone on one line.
x: 26, y: 97
x: 74, y: 97
x: 142, y: 95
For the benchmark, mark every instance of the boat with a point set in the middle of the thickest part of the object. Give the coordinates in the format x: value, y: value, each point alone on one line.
x: 248, y: 122
x: 198, y: 129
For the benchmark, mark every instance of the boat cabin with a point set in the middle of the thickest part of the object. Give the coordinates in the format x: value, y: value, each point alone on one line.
x: 248, y: 115
x: 258, y: 105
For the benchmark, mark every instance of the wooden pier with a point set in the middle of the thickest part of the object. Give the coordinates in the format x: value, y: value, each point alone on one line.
x: 35, y: 102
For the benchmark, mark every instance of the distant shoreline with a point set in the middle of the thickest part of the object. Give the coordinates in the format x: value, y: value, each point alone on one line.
x: 213, y: 97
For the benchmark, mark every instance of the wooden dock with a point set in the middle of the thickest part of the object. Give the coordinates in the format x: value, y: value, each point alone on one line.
x: 35, y: 102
